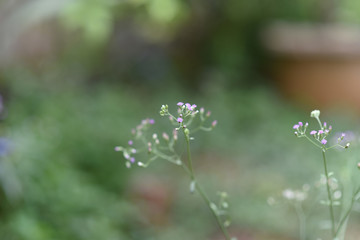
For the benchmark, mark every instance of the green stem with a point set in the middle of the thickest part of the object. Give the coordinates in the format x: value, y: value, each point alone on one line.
x: 331, y: 210
x: 346, y: 216
x: 302, y: 220
x: 201, y: 191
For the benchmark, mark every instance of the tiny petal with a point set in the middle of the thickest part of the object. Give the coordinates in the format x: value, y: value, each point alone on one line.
x: 127, y: 164
x: 118, y: 148
x: 208, y: 114
x: 151, y: 121
x: 133, y: 150
x: 202, y: 110
x: 165, y: 136
x: 130, y: 142
x: 213, y: 124
x: 180, y: 104
x: 306, y: 124
x: 193, y: 107
x: 324, y: 141
x: 179, y: 120
x: 321, y: 132
x: 188, y: 106
x: 313, y: 132
x: 296, y: 126
x: 132, y: 160
x: 343, y: 135
x: 325, y: 124
x: 300, y: 124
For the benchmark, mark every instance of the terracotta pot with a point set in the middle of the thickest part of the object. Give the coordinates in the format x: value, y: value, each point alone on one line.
x: 316, y: 65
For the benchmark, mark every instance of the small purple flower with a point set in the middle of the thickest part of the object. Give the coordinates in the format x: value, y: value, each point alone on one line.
x: 132, y: 160
x: 321, y: 132
x: 343, y: 135
x: 179, y: 120
x: 324, y: 141
x: 325, y: 124
x: 117, y: 148
x: 296, y: 126
x: 300, y: 124
x: 130, y: 142
x: 151, y: 121
x: 165, y: 136
x: 180, y: 104
x: 188, y: 106
x: 133, y: 150
x: 193, y: 107
x: 313, y: 132
x: 208, y: 114
x: 213, y: 124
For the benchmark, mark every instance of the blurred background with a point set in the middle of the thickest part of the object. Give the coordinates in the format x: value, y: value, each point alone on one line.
x: 77, y: 75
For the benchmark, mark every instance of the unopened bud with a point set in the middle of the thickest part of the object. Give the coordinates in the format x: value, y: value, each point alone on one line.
x: 186, y: 131
x: 315, y: 114
x: 347, y: 145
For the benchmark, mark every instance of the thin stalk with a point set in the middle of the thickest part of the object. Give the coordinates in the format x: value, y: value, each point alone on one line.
x: 346, y: 216
x: 201, y: 191
x: 331, y: 210
x: 302, y: 220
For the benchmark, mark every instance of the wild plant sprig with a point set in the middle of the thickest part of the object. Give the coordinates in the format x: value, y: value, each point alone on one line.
x: 319, y: 139
x: 165, y: 148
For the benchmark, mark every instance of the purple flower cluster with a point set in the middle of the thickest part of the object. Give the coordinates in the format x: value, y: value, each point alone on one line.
x: 300, y: 128
x: 321, y: 134
x: 187, y: 106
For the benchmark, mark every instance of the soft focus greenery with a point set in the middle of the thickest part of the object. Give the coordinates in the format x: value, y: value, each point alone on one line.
x: 97, y: 68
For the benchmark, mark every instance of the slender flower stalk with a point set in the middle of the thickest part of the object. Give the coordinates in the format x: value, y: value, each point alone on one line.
x: 201, y: 191
x: 331, y: 209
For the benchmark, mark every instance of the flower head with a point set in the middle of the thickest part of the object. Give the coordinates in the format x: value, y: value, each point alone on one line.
x: 296, y: 126
x: 179, y: 120
x: 130, y: 142
x: 315, y: 114
x: 324, y: 141
x: 313, y: 132
x: 180, y: 104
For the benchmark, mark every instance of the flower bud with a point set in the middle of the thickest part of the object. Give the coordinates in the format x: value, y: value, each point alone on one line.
x: 186, y: 131
x: 315, y: 114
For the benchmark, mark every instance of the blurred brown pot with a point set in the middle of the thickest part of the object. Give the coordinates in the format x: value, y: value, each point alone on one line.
x: 316, y: 65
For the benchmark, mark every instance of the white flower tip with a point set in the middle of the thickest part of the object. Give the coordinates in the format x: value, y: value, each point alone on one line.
x: 315, y: 114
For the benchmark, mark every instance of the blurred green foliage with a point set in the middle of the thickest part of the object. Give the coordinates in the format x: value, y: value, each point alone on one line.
x: 114, y: 63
